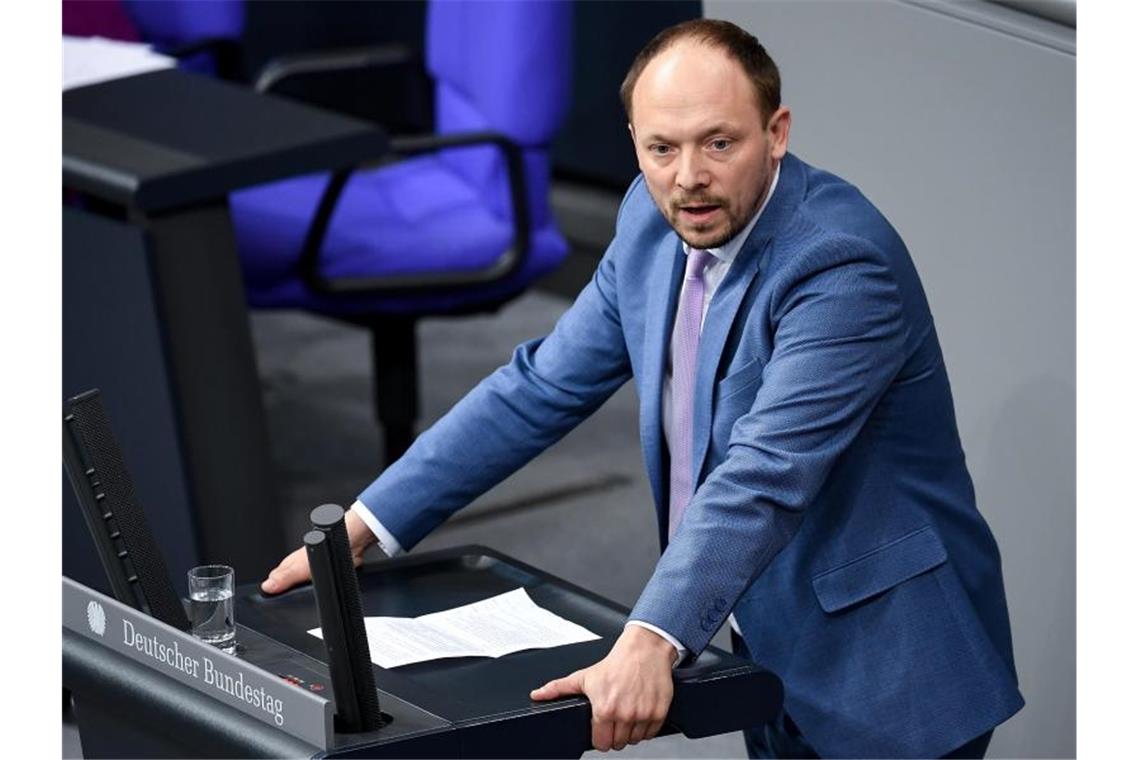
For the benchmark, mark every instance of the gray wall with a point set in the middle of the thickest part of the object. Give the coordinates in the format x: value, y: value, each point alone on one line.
x: 958, y: 122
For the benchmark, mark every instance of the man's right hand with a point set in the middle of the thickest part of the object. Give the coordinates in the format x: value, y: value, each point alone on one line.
x: 294, y: 568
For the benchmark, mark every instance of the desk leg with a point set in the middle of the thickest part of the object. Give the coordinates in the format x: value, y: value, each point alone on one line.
x: 202, y: 306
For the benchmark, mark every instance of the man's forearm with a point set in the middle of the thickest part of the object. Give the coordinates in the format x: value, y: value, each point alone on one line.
x: 547, y: 388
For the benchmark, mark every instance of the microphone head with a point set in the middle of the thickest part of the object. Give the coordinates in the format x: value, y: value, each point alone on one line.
x: 314, y: 538
x: 326, y: 516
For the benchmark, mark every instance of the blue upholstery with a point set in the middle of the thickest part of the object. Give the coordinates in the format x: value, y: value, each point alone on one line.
x: 170, y: 24
x: 500, y: 66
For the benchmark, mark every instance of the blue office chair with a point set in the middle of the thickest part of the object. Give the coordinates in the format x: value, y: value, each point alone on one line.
x: 461, y: 225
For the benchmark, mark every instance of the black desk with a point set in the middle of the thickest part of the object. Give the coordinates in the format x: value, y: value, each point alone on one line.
x: 154, y: 308
x: 464, y: 707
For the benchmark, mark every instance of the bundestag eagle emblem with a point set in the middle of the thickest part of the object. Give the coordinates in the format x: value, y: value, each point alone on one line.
x: 96, y: 618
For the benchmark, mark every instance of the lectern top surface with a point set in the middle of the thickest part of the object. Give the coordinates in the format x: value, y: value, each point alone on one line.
x: 168, y: 138
x: 468, y: 688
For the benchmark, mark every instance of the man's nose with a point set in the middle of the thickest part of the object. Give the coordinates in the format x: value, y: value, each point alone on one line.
x: 691, y: 172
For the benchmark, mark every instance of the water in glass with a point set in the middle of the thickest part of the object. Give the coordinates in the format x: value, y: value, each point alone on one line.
x: 212, y: 616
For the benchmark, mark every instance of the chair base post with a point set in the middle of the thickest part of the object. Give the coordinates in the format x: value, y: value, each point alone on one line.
x: 395, y: 382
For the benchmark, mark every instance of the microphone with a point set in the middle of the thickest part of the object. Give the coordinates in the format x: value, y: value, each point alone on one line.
x: 342, y: 622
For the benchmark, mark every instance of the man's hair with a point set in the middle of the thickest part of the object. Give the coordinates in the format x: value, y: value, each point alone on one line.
x: 736, y: 43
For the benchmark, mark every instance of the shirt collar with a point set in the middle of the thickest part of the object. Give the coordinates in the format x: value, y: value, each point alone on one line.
x: 728, y: 251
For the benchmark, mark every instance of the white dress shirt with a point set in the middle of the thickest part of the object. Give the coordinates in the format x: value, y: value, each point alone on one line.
x: 713, y: 275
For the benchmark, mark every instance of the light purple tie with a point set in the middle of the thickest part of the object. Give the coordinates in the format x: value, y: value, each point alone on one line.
x: 686, y: 335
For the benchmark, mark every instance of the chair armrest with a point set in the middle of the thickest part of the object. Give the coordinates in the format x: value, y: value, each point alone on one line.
x: 509, y: 262
x: 286, y: 67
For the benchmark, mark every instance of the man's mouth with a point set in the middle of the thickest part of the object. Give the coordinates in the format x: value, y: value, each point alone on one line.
x: 698, y: 213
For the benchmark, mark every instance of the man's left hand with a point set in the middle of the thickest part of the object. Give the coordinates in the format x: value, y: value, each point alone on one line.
x: 629, y: 691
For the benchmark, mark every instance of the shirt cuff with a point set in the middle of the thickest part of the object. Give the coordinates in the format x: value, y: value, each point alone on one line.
x: 681, y: 650
x: 386, y: 540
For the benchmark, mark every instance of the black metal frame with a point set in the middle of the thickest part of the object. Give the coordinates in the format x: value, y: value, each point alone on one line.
x: 285, y: 67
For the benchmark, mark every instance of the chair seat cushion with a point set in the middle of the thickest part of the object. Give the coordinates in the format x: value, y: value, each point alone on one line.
x: 413, y: 217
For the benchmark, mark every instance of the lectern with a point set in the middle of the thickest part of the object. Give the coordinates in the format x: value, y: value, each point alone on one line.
x: 144, y: 687
x: 130, y: 704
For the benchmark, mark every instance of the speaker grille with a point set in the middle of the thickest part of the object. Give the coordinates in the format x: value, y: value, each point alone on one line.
x: 116, y: 492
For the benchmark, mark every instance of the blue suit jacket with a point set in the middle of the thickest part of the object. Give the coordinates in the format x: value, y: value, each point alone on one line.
x: 833, y: 510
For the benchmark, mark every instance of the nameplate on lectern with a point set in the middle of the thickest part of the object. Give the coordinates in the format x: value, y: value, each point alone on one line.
x: 178, y: 655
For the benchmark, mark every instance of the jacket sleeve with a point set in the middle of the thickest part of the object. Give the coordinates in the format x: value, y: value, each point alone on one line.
x: 839, y: 336
x: 549, y: 386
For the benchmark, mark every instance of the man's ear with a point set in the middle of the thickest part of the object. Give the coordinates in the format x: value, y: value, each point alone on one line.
x: 779, y: 125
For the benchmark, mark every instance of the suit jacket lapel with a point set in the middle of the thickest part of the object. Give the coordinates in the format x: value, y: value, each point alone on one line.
x: 729, y: 296
x: 661, y: 307
x: 664, y: 286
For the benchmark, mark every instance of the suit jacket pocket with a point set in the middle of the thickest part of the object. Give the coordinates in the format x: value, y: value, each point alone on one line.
x: 879, y: 570
x: 742, y: 379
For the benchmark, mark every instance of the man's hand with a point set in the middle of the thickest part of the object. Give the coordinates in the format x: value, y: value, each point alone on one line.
x: 294, y: 568
x: 629, y: 691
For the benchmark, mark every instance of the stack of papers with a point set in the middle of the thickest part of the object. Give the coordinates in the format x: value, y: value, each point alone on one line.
x: 87, y: 60
x: 506, y: 623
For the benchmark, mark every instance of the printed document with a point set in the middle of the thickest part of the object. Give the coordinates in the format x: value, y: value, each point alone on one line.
x: 493, y: 627
x: 89, y: 60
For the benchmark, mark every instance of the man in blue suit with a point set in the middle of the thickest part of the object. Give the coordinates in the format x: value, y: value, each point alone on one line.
x: 797, y: 426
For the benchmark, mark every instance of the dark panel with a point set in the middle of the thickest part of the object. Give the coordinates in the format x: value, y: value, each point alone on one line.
x: 281, y: 27
x: 399, y: 97
x: 594, y: 144
x: 111, y: 341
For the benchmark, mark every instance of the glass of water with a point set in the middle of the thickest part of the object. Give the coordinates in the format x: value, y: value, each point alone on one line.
x: 212, y: 605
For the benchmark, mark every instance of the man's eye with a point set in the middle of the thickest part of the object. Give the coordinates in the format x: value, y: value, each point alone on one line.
x: 720, y: 145
x: 659, y: 150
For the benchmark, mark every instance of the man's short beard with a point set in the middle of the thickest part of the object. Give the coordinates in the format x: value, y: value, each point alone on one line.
x: 734, y: 228
x: 717, y: 243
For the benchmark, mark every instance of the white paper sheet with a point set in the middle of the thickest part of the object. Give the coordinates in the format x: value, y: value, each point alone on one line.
x: 87, y: 60
x: 493, y: 627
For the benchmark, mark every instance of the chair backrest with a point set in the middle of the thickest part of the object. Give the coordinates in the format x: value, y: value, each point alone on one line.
x: 501, y: 65
x: 171, y: 23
